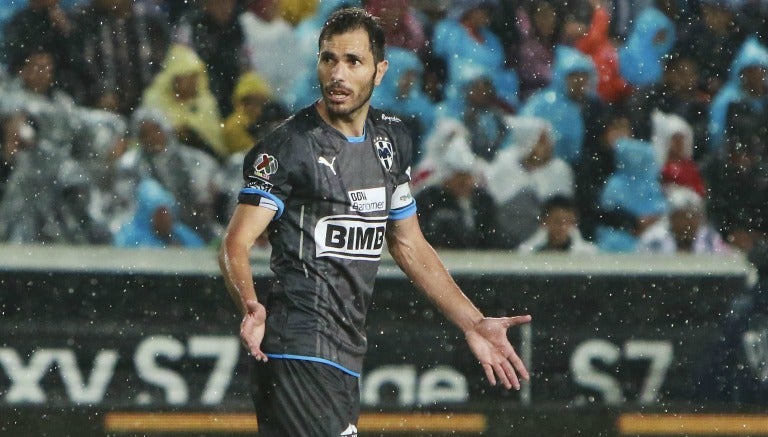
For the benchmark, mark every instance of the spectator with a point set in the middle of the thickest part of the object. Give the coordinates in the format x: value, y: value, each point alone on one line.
x: 713, y: 41
x: 502, y: 24
x: 523, y: 177
x: 401, y: 27
x: 183, y: 171
x: 33, y: 91
x: 31, y: 164
x: 593, y: 170
x: 481, y: 111
x: 93, y: 138
x: 117, y: 47
x: 673, y: 141
x: 213, y: 31
x: 684, y: 230
x: 558, y: 230
x: 155, y: 223
x: 539, y: 27
x: 651, y: 38
x: 746, y: 91
x: 569, y: 103
x: 598, y: 45
x: 435, y: 77
x: 738, y: 189
x: 400, y: 93
x: 78, y: 210
x: 464, y: 40
x: 19, y: 133
x: 633, y: 189
x: 40, y: 26
x: 296, y: 11
x: 251, y: 95
x: 267, y: 33
x: 677, y: 93
x: 455, y: 212
x: 181, y: 92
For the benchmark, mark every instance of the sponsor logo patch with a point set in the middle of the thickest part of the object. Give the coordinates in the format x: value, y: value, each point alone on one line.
x: 386, y: 117
x: 264, y: 166
x: 350, y: 237
x: 402, y: 196
x: 259, y: 184
x: 369, y: 200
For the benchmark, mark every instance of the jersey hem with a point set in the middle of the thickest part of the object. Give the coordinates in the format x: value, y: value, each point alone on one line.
x: 313, y: 359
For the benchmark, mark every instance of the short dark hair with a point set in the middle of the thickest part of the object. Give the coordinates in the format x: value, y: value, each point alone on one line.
x: 558, y: 201
x: 349, y: 19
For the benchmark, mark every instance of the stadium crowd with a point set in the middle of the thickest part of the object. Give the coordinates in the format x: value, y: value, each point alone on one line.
x: 581, y: 126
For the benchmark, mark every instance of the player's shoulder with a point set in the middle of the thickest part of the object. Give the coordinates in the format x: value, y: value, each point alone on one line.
x: 392, y: 124
x: 285, y: 144
x: 293, y: 128
x: 288, y: 137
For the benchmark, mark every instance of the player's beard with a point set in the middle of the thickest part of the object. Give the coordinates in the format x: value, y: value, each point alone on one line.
x: 359, y: 99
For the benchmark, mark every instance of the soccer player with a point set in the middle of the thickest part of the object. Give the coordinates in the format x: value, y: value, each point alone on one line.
x: 330, y: 186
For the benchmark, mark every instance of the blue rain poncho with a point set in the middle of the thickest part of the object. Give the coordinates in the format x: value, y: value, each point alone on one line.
x: 138, y: 232
x: 634, y: 189
x: 641, y: 58
x: 553, y: 103
x: 751, y: 54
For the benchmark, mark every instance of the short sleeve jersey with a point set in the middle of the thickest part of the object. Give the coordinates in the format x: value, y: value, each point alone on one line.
x: 333, y: 196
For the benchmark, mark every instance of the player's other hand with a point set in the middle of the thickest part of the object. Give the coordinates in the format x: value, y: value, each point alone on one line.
x: 490, y: 345
x: 252, y: 329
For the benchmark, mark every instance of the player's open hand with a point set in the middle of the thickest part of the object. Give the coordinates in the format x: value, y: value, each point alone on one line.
x: 252, y: 329
x: 488, y: 341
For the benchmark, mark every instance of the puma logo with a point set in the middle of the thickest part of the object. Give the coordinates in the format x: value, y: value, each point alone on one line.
x: 322, y: 160
x: 351, y: 431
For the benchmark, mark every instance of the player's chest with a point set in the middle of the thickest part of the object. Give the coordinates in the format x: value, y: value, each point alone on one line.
x: 353, y: 177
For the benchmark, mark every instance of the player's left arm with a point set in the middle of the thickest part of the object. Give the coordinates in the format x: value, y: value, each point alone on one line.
x: 487, y: 337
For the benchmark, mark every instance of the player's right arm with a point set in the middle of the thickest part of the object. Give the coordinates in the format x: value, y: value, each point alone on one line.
x: 248, y: 222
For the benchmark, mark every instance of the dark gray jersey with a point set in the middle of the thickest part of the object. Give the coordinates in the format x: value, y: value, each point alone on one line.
x: 333, y: 196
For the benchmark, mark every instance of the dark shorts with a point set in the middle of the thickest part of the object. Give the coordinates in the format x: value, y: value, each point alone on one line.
x: 304, y: 398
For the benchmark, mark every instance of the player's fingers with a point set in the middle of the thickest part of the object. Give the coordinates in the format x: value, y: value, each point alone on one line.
x: 498, y: 369
x: 518, y: 365
x: 258, y: 354
x: 489, y: 374
x: 254, y: 348
x: 509, y: 372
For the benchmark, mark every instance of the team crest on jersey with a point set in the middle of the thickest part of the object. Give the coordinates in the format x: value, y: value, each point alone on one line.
x: 385, y: 152
x: 264, y: 166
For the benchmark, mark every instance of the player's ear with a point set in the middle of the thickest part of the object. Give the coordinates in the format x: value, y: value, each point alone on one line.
x: 381, y: 68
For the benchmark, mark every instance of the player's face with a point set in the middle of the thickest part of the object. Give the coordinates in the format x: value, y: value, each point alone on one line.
x: 347, y: 73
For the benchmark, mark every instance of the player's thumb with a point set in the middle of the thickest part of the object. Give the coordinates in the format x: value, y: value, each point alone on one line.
x: 518, y: 320
x: 252, y: 306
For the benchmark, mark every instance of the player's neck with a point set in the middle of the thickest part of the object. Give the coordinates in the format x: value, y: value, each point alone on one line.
x: 350, y: 125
